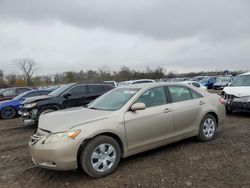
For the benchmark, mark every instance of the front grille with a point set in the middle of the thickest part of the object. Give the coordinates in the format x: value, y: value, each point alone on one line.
x: 36, y: 137
x: 39, y: 134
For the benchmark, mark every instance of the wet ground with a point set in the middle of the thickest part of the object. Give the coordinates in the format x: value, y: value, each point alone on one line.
x: 223, y: 162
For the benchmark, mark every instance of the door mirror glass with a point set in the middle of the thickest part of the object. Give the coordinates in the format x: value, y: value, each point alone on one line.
x: 138, y: 106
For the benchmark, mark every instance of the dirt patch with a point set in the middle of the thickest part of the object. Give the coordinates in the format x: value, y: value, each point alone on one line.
x: 223, y: 162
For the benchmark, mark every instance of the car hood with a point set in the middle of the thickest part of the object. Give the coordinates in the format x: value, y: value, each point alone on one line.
x: 37, y: 98
x: 64, y: 120
x: 238, y: 91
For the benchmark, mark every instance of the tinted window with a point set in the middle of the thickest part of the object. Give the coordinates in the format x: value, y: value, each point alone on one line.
x: 179, y: 93
x: 153, y: 97
x: 79, y: 90
x: 96, y: 88
x: 196, y: 84
x: 22, y: 90
x: 107, y: 87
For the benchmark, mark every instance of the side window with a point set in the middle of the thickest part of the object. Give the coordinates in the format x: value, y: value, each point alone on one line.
x: 179, y: 93
x: 153, y: 97
x: 108, y: 87
x: 79, y: 90
x: 8, y: 92
x: 196, y: 84
x: 195, y: 95
x: 22, y: 90
x: 95, y: 89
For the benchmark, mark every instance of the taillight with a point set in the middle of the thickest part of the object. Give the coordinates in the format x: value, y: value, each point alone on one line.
x: 222, y: 101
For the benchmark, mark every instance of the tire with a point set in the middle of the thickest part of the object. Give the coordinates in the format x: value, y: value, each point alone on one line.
x: 208, y: 127
x: 94, y: 157
x: 8, y: 113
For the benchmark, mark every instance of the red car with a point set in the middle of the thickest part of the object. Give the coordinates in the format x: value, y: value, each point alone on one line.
x: 10, y: 93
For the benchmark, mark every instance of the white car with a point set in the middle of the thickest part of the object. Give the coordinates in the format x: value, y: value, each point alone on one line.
x: 132, y: 82
x: 237, y: 94
x: 195, y: 84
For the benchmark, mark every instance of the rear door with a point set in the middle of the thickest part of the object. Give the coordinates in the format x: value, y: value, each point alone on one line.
x: 187, y: 105
x: 75, y: 96
x: 152, y: 126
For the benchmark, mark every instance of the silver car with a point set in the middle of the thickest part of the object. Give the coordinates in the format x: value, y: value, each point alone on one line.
x: 123, y: 122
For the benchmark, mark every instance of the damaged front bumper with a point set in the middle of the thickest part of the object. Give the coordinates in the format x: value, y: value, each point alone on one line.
x: 237, y: 103
x: 29, y: 116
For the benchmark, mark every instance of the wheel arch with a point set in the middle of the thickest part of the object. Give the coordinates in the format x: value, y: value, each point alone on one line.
x: 110, y: 134
x: 215, y: 116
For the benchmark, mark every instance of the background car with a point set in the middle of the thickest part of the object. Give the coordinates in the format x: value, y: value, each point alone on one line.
x: 123, y: 122
x: 195, y: 84
x: 222, y: 82
x: 132, y: 82
x: 9, y: 109
x: 66, y: 96
x: 208, y: 81
x: 10, y: 93
x: 237, y: 94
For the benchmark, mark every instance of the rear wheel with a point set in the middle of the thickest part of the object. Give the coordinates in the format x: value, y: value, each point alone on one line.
x: 100, y: 157
x: 8, y: 113
x: 208, y: 128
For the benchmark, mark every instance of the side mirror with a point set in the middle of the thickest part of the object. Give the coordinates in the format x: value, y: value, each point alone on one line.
x: 138, y: 106
x: 66, y: 95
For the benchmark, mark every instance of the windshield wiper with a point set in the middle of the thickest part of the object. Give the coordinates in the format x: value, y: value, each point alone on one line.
x: 93, y: 108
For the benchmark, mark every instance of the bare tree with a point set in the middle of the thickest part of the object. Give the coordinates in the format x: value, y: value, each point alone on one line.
x: 11, y: 79
x: 28, y: 67
x: 1, y: 78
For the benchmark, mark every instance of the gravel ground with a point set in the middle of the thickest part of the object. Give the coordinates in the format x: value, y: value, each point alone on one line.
x: 223, y: 162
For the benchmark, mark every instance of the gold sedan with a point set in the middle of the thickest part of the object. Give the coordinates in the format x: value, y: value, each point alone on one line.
x: 123, y: 122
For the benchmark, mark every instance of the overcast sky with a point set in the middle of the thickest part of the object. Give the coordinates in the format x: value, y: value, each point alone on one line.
x: 187, y: 35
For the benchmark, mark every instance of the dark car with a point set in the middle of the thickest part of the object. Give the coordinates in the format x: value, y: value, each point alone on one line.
x: 67, y: 96
x: 222, y: 82
x: 10, y: 93
x: 208, y: 81
x: 9, y: 108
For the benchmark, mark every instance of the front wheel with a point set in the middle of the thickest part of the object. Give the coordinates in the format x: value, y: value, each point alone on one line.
x: 100, y: 157
x: 208, y: 128
x: 8, y: 113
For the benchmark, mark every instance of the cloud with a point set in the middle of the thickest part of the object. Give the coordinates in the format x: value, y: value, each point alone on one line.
x: 71, y: 35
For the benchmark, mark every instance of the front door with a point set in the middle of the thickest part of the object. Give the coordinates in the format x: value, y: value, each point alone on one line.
x: 152, y: 126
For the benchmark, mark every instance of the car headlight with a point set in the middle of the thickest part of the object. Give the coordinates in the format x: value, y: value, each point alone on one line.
x: 30, y: 105
x: 62, y: 136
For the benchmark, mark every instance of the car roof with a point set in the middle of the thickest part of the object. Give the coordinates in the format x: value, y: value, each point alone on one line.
x: 246, y: 73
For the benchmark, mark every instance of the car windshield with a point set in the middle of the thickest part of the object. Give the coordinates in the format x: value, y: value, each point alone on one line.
x: 60, y: 90
x: 223, y: 79
x: 18, y: 97
x: 113, y: 100
x: 243, y: 80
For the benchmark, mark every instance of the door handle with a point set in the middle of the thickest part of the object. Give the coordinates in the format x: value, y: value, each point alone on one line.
x: 201, y: 102
x: 167, y: 110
